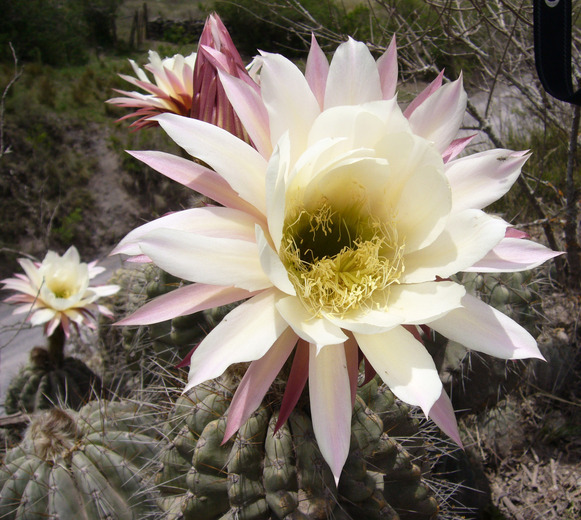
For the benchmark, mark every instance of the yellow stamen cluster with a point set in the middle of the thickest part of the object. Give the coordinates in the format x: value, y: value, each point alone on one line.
x: 341, y: 261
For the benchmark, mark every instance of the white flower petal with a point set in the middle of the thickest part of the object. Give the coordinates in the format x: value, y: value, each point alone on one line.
x: 272, y: 265
x: 468, y: 237
x: 276, y: 175
x: 245, y: 334
x: 420, y: 302
x: 208, y: 221
x: 41, y: 316
x: 237, y: 162
x: 318, y: 331
x: 482, y: 178
x: 353, y: 76
x: 197, y: 258
x: 250, y: 109
x: 480, y: 327
x: 330, y: 398
x: 404, y: 365
x: 291, y: 104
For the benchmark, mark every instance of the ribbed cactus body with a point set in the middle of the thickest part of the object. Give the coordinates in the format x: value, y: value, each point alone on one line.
x: 87, y: 464
x: 263, y: 474
x: 43, y: 384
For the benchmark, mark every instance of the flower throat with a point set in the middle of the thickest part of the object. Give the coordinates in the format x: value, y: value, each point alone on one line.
x: 340, y: 260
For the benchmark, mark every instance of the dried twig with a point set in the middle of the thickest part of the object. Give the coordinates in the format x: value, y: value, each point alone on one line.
x: 17, y: 73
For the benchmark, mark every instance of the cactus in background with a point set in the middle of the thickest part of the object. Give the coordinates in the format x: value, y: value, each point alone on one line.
x: 261, y: 474
x: 45, y: 383
x: 87, y: 464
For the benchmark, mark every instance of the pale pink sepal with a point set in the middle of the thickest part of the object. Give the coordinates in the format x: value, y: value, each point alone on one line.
x: 316, y: 71
x: 456, y: 147
x: 480, y: 327
x: 514, y: 254
x: 245, y: 334
x: 185, y: 300
x: 194, y: 176
x: 515, y: 233
x: 424, y: 94
x: 387, y: 66
x: 256, y: 382
x: 442, y: 413
x: 295, y: 384
x: 138, y: 259
x: 249, y: 107
x: 330, y: 398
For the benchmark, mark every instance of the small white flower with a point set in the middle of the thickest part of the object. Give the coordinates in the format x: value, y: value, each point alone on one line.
x: 58, y: 291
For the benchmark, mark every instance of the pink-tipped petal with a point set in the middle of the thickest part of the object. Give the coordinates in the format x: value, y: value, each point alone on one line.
x: 194, y: 176
x: 236, y: 161
x: 387, y: 66
x: 251, y: 110
x: 295, y: 384
x: 210, y: 221
x: 256, y: 382
x: 456, y: 147
x: 442, y: 413
x: 439, y: 117
x: 514, y: 254
x: 185, y: 300
x: 480, y: 327
x: 245, y: 334
x: 330, y: 398
x: 316, y: 71
x: 424, y: 94
x: 482, y: 178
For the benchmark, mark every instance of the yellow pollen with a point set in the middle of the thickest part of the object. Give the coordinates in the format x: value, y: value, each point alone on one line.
x: 341, y: 261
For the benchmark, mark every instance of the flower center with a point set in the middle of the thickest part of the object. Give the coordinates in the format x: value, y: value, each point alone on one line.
x: 60, y: 286
x: 340, y: 260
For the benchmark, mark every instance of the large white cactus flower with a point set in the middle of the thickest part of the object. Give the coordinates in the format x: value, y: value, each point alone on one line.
x: 341, y: 229
x: 57, y: 291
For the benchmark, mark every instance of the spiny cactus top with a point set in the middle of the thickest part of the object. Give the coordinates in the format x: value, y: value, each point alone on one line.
x: 89, y: 464
x: 340, y: 226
